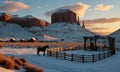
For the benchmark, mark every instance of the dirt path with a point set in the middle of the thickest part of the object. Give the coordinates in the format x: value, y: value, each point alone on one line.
x: 35, y: 44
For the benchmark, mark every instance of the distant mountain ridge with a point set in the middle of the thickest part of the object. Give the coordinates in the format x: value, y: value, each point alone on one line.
x: 26, y: 21
x: 70, y: 32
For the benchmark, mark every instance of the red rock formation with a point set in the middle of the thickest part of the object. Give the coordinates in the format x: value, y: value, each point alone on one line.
x: 29, y: 22
x: 4, y: 17
x: 64, y: 16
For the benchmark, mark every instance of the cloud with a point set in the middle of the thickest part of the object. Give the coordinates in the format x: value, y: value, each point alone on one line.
x: 11, y: 6
x: 101, y: 30
x: 103, y: 33
x: 102, y: 26
x: 78, y: 8
x: 97, y: 29
x: 103, y: 21
x: 102, y: 7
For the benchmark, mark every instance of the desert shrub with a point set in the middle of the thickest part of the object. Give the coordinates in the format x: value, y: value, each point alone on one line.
x: 18, y: 61
x: 31, y: 68
x: 23, y: 60
x: 17, y: 66
x: 1, y: 55
x: 10, y: 57
x: 7, y: 63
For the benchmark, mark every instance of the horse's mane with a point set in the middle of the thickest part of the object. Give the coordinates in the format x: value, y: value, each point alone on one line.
x: 43, y: 46
x: 46, y: 46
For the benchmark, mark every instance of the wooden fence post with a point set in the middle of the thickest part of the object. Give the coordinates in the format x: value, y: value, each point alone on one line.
x: 108, y: 53
x: 50, y: 53
x: 71, y: 57
x: 64, y: 56
x: 93, y: 58
x: 99, y: 56
x: 47, y: 53
x: 104, y: 54
x: 83, y: 58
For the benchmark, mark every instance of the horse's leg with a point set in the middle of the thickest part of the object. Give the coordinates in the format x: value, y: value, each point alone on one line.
x: 44, y: 53
x: 38, y: 51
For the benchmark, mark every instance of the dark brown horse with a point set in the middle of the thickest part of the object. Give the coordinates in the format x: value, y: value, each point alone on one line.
x: 43, y: 49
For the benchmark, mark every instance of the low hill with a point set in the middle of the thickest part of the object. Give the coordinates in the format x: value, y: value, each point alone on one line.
x: 66, y: 31
x: 14, y: 31
x: 11, y: 30
x: 29, y: 21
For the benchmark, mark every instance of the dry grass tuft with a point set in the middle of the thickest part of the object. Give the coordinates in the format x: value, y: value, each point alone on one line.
x: 10, y: 62
x: 23, y: 60
x: 1, y: 55
x: 7, y: 63
x: 17, y: 66
x: 18, y: 61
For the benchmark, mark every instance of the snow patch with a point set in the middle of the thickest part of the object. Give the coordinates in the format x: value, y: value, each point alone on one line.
x: 5, y: 70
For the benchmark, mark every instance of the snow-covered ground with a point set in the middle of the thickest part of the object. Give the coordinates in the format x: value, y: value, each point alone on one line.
x: 5, y: 70
x: 81, y: 52
x: 51, y: 64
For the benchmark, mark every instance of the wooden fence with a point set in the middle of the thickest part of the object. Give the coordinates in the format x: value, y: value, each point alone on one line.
x: 57, y: 52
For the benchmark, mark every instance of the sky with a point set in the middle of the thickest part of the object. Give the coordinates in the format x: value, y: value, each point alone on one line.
x: 100, y: 16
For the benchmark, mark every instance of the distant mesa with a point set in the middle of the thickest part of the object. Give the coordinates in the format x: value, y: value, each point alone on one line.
x: 26, y: 21
x: 64, y: 15
x: 29, y: 21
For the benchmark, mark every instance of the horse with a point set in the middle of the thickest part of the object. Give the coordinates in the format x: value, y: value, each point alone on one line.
x: 43, y: 49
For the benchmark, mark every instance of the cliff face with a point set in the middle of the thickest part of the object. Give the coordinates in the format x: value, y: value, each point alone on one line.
x: 64, y: 16
x: 27, y: 21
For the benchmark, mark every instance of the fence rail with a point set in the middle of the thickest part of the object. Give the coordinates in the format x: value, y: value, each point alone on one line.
x: 77, y: 57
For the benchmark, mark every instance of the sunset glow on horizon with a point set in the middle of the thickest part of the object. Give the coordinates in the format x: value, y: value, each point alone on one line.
x: 100, y: 16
